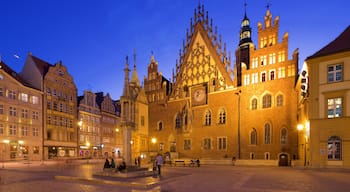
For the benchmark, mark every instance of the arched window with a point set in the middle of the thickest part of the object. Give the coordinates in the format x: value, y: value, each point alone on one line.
x: 254, y: 105
x: 272, y: 75
x: 284, y: 136
x: 267, y: 133
x: 253, y: 137
x: 178, y: 121
x: 267, y: 101
x: 279, y: 100
x: 207, y: 118
x: 222, y: 116
x: 160, y: 126
x: 267, y: 155
x: 334, y: 148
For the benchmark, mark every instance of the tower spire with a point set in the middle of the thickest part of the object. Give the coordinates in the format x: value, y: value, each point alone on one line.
x: 126, y: 91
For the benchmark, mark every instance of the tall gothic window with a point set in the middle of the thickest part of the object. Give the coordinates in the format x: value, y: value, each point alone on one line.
x: 207, y: 118
x: 284, y: 136
x: 280, y: 100
x: 254, y: 104
x: 253, y: 137
x: 222, y: 116
x: 178, y: 121
x: 267, y: 133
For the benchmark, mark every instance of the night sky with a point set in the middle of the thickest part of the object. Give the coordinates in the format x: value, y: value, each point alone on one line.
x: 93, y: 37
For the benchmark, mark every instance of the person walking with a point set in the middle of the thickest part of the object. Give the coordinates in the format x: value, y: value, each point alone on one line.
x: 159, y: 163
x: 112, y: 163
x: 106, y: 165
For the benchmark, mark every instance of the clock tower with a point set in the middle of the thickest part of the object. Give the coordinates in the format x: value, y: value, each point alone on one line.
x: 243, y: 51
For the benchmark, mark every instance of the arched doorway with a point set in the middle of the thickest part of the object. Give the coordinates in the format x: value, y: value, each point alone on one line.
x: 283, y: 160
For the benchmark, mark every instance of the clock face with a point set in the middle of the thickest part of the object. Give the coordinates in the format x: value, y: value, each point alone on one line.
x: 199, y: 95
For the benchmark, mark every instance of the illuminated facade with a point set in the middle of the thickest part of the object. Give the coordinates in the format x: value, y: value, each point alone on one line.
x: 203, y: 112
x: 328, y: 102
x: 20, y: 117
x: 59, y: 106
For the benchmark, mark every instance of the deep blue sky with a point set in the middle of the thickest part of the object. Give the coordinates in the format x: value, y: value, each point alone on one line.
x: 93, y: 37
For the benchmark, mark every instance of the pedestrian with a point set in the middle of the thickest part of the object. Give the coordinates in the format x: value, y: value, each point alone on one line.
x: 106, y: 165
x: 139, y: 161
x: 122, y: 166
x: 159, y: 163
x: 135, y: 162
x: 112, y: 163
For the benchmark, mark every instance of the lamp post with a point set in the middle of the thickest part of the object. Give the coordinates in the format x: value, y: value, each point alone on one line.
x: 239, y: 123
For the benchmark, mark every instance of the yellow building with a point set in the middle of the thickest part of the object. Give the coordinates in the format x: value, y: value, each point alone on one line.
x: 205, y: 113
x: 59, y: 106
x: 329, y: 103
x: 20, y: 117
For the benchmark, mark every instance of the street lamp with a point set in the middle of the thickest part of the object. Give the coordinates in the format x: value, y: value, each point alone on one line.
x: 239, y: 123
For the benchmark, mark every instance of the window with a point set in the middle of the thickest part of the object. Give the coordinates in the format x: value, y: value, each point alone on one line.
x: 187, y: 144
x: 222, y: 143
x: 246, y: 79
x: 1, y: 109
x: 255, y: 63
x: 1, y: 91
x: 255, y: 78
x: 24, y: 97
x: 267, y: 133
x: 206, y: 143
x: 335, y: 73
x: 254, y: 105
x: 279, y: 100
x: 35, y: 100
x: 284, y: 136
x: 13, y: 130
x: 35, y: 115
x: 281, y: 56
x: 272, y: 75
x: 222, y: 116
x: 36, y: 150
x: 272, y: 58
x: 253, y: 137
x: 207, y: 118
x: 263, y: 77
x: 35, y: 132
x: 263, y: 60
x: 334, y: 148
x: 267, y: 101
x: 1, y: 129
x: 281, y: 72
x: 267, y: 155
x: 12, y: 95
x: 25, y: 113
x: 24, y: 131
x: 335, y: 107
x: 13, y: 111
x: 160, y: 126
x: 178, y: 121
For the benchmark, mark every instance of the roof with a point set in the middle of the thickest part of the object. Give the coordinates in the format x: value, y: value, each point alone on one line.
x: 43, y: 66
x: 13, y: 74
x: 340, y: 44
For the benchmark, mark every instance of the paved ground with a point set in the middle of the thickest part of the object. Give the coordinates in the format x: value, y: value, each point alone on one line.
x: 79, y: 177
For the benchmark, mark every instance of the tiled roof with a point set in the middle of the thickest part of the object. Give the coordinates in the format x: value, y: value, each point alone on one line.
x: 340, y: 44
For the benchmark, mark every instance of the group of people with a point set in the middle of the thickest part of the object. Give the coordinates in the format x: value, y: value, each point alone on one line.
x: 120, y: 167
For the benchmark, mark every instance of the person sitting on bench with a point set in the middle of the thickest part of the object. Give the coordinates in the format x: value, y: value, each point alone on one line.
x: 122, y: 166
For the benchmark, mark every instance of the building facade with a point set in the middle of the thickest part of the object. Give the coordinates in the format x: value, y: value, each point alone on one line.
x: 21, y: 118
x: 329, y: 104
x: 60, y: 125
x: 203, y: 112
x: 89, y: 115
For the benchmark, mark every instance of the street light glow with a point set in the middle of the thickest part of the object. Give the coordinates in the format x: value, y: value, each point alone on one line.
x: 154, y: 140
x: 300, y: 127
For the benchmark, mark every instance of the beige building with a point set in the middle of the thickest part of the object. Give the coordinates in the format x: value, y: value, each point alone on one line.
x: 111, y: 134
x: 205, y: 113
x: 59, y: 106
x: 328, y: 103
x: 89, y: 115
x: 21, y: 118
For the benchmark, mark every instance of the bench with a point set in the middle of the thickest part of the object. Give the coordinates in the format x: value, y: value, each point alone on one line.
x: 180, y: 161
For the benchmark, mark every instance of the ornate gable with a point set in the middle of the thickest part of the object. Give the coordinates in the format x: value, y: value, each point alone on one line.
x: 202, y: 59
